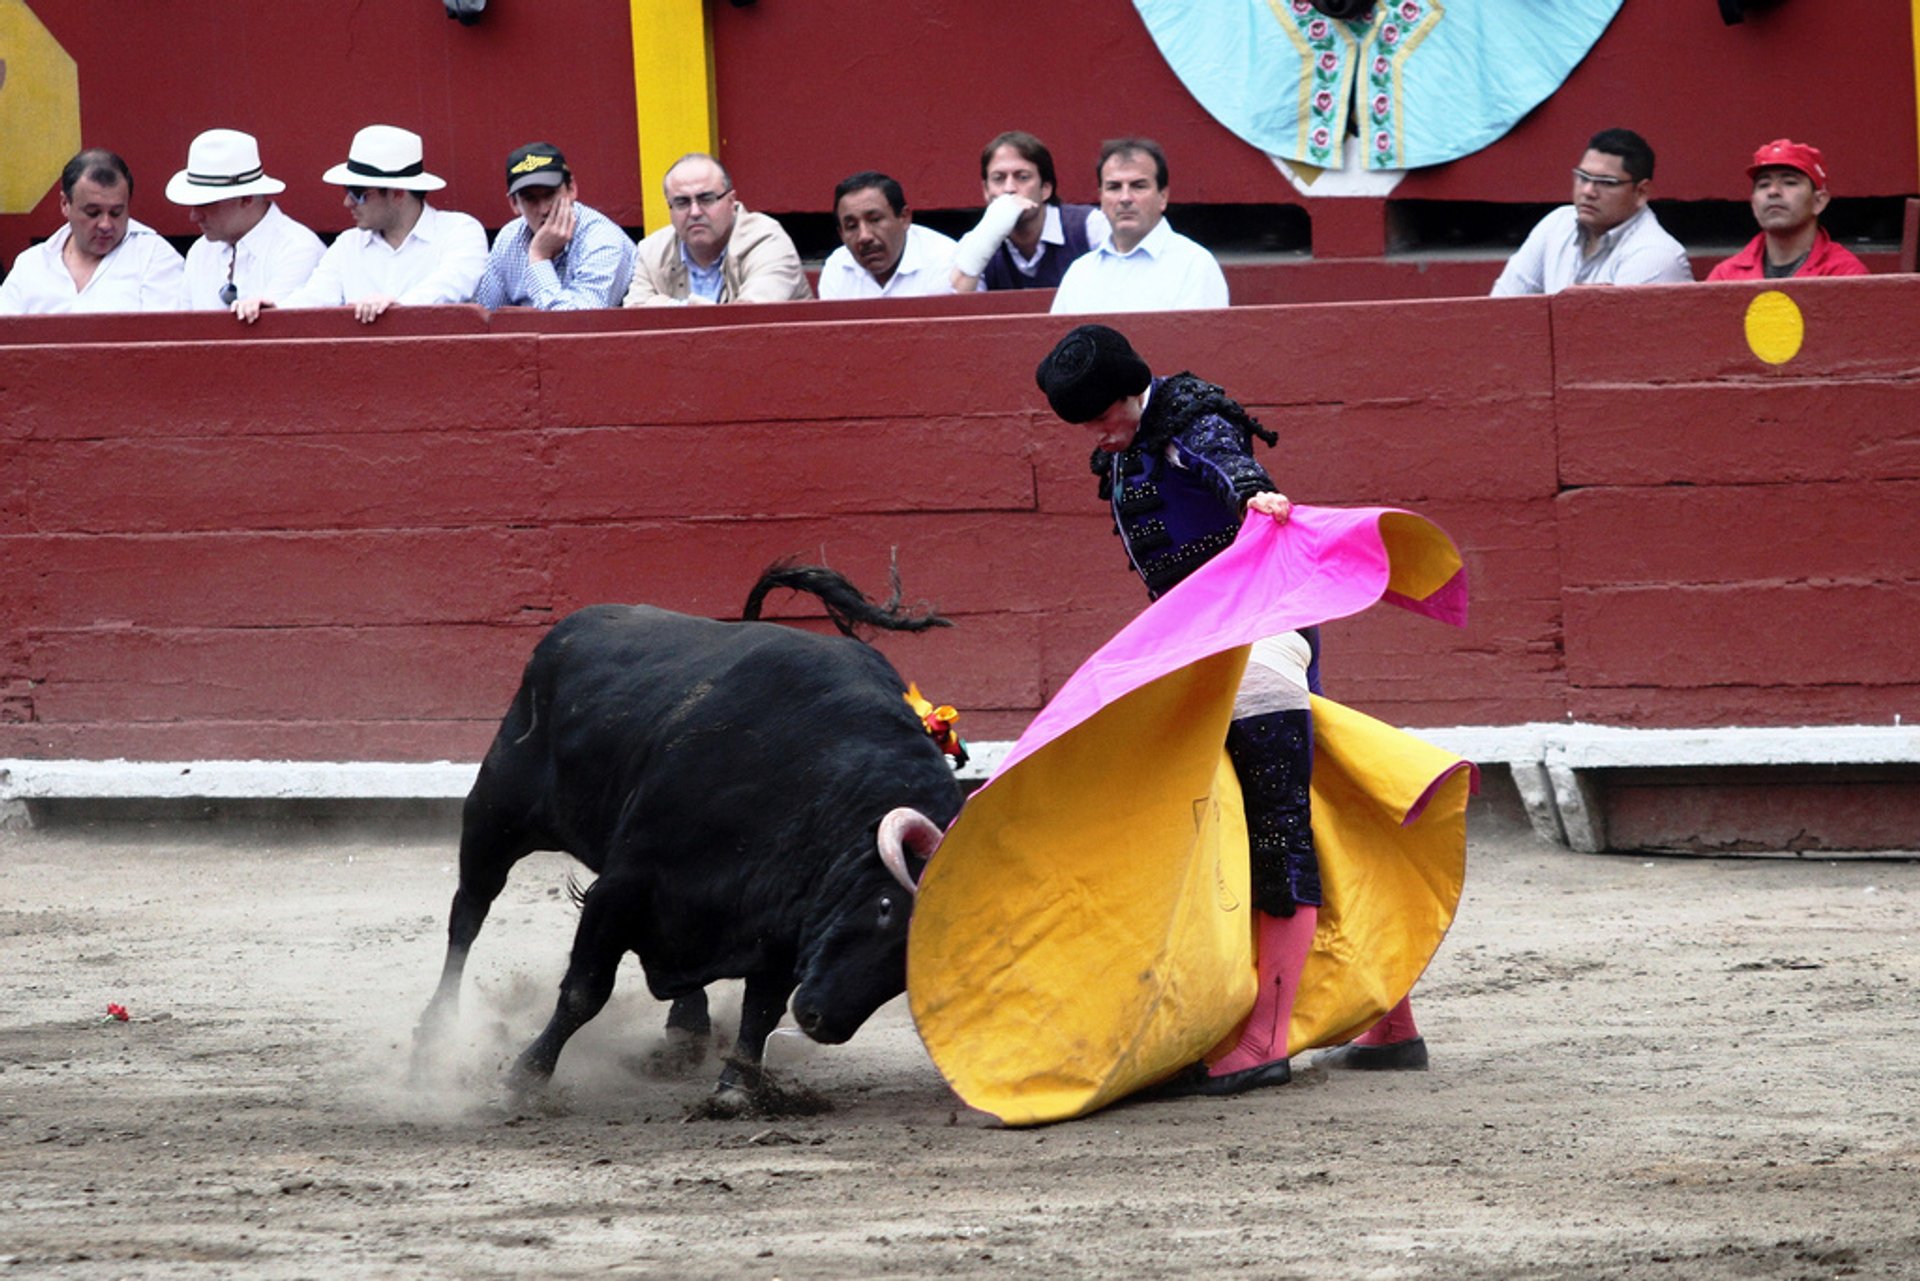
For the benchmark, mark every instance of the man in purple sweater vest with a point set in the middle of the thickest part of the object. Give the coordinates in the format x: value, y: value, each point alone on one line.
x: 1026, y: 238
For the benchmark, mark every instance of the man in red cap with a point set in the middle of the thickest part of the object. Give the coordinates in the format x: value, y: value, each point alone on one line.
x: 1789, y: 191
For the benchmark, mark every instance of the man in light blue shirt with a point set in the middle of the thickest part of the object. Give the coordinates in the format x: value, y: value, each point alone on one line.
x: 1141, y: 263
x: 558, y: 255
x: 1607, y: 236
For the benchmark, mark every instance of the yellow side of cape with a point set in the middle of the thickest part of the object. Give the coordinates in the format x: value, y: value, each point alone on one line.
x: 1085, y: 928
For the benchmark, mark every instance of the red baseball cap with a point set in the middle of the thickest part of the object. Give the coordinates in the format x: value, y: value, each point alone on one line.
x: 1788, y: 154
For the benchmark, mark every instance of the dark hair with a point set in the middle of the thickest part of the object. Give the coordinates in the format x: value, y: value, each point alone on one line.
x: 96, y: 164
x: 1132, y: 146
x: 1636, y: 157
x: 896, y: 198
x: 1030, y: 147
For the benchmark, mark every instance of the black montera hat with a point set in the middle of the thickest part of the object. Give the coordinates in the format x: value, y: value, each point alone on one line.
x: 1091, y: 369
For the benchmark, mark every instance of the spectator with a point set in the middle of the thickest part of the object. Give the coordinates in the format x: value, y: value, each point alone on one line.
x: 1142, y: 263
x: 1789, y: 195
x: 882, y: 254
x: 716, y: 250
x: 102, y: 260
x: 247, y: 244
x: 1027, y: 238
x: 557, y: 254
x: 1607, y: 236
x: 401, y: 249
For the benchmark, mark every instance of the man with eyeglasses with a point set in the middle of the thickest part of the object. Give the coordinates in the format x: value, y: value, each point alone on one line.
x: 715, y: 249
x: 102, y: 259
x: 1789, y: 193
x: 401, y: 249
x: 247, y: 244
x: 1608, y: 235
x: 557, y: 254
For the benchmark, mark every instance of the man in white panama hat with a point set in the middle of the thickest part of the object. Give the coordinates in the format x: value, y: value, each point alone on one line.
x: 248, y: 247
x: 401, y: 249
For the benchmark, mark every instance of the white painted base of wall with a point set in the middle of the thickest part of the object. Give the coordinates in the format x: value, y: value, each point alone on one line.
x: 1550, y: 764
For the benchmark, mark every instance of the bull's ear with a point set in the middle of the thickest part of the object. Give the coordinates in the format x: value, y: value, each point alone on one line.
x: 906, y: 831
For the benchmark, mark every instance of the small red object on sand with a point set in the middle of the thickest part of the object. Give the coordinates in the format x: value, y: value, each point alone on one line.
x: 116, y: 1011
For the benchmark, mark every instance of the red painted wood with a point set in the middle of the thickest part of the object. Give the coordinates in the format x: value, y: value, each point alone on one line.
x: 1785, y: 635
x: 1758, y: 535
x: 1768, y: 704
x: 192, y: 675
x: 342, y: 541
x: 243, y: 388
x: 1854, y: 329
x: 370, y: 480
x: 307, y: 579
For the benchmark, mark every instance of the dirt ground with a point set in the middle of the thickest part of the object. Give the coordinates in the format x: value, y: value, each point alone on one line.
x: 1642, y: 1067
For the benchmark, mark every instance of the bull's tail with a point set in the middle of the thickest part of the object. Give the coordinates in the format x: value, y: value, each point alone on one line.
x: 845, y: 604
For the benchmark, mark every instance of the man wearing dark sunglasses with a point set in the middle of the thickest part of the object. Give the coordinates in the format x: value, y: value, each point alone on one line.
x: 248, y: 246
x: 714, y: 249
x: 1608, y: 235
x: 401, y: 249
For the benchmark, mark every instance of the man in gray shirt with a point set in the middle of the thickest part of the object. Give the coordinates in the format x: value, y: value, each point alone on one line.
x: 1607, y: 236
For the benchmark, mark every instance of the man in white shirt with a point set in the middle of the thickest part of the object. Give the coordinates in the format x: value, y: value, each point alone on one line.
x: 1607, y: 236
x: 1142, y: 264
x: 882, y: 254
x: 247, y: 246
x: 401, y: 249
x: 102, y: 260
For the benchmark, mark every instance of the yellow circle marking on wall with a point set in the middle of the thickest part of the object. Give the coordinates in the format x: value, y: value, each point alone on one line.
x: 1775, y: 329
x: 39, y: 108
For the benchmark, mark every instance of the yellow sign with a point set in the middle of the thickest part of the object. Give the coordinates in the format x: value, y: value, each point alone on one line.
x: 39, y: 108
x: 1774, y: 327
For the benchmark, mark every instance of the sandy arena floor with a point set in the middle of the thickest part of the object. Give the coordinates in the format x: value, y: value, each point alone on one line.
x: 1643, y: 1067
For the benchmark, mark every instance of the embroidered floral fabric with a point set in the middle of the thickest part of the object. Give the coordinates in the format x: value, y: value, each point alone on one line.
x: 1420, y: 81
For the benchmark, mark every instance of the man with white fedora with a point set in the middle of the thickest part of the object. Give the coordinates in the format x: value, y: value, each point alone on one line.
x: 247, y: 246
x: 401, y: 249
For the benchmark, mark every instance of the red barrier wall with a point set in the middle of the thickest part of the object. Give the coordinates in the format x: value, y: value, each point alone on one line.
x: 313, y: 541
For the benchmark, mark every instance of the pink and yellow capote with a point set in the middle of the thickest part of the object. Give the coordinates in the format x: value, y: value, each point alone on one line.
x: 1085, y: 928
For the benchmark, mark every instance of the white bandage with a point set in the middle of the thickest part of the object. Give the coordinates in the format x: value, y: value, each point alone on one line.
x: 984, y: 241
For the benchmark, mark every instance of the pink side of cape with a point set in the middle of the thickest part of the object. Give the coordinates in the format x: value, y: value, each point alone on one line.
x: 1324, y: 563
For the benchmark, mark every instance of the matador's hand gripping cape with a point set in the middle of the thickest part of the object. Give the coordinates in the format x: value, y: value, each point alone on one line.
x: 1085, y: 927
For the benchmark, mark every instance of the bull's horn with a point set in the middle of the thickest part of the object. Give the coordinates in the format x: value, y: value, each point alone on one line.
x: 902, y: 830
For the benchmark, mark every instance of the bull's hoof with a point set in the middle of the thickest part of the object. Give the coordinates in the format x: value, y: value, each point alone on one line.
x: 728, y: 1103
x: 676, y: 1058
x: 1400, y: 1056
x: 770, y: 1100
x: 526, y: 1080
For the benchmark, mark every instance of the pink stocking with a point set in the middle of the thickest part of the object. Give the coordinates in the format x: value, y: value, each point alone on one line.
x: 1395, y: 1026
x: 1281, y: 944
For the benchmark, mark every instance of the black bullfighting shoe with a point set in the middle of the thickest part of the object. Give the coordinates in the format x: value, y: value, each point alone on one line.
x: 1195, y: 1080
x: 1398, y: 1056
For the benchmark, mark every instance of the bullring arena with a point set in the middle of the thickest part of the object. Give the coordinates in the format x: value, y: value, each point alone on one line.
x: 268, y: 591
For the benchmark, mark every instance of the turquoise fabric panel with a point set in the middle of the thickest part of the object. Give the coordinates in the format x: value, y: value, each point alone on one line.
x: 1430, y: 80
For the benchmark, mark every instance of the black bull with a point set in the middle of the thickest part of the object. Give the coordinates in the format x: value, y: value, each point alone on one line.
x: 727, y: 782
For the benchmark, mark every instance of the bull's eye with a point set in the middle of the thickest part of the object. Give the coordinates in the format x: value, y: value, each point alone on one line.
x: 886, y: 909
